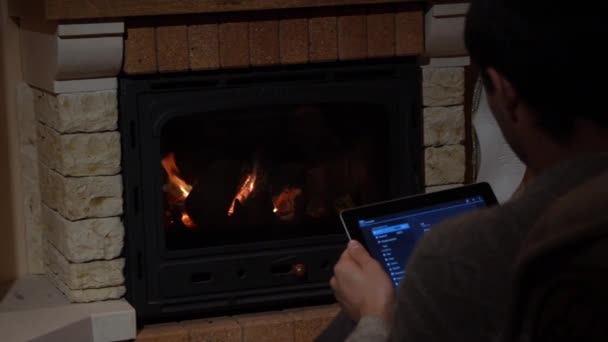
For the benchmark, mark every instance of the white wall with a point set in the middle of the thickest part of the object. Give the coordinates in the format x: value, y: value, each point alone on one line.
x: 498, y: 164
x: 13, y: 262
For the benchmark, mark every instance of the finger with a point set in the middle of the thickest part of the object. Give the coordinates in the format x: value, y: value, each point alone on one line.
x: 344, y: 258
x: 345, y: 254
x: 346, y: 266
x: 333, y: 282
x: 358, y: 253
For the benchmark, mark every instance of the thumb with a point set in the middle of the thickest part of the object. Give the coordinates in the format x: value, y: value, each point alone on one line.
x: 358, y: 253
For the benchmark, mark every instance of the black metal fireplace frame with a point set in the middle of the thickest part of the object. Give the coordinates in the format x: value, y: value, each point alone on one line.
x: 153, y: 274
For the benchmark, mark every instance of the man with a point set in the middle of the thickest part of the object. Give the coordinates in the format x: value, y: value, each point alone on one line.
x: 535, y: 60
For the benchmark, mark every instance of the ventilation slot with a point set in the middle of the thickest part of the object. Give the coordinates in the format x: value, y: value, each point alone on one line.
x: 201, y: 277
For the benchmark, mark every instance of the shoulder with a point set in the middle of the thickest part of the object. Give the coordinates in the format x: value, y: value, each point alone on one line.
x: 466, y: 254
x: 470, y: 234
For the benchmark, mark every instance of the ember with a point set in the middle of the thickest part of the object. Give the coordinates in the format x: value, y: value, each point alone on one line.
x: 245, y: 191
x: 176, y: 186
x: 187, y: 221
x: 177, y: 190
x: 285, y: 203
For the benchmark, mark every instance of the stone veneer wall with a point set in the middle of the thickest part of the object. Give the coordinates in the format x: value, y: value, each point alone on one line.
x: 81, y: 193
x: 71, y: 148
x: 444, y: 127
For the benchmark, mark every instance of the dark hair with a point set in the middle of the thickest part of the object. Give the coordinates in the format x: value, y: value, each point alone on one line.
x: 552, y: 53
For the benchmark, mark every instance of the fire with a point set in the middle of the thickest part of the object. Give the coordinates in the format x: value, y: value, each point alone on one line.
x: 285, y: 203
x: 174, y: 177
x: 245, y: 191
x: 187, y: 220
x: 178, y: 189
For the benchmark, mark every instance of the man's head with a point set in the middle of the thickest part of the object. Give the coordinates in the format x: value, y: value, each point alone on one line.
x: 543, y: 67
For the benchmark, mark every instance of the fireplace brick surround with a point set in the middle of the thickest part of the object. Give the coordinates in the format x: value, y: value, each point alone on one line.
x: 71, y: 144
x: 274, y: 38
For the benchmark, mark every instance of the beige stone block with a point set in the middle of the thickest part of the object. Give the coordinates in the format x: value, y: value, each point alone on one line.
x: 445, y: 165
x: 443, y: 86
x: 33, y: 226
x: 267, y: 327
x: 444, y: 126
x: 221, y: 329
x: 94, y: 154
x: 78, y: 198
x: 88, y: 295
x: 310, y: 322
x: 91, y: 275
x: 78, y: 112
x: 84, y: 240
x: 438, y: 188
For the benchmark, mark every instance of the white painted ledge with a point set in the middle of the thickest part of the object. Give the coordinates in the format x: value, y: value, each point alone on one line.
x: 445, y: 30
x: 32, y: 309
x: 448, y: 62
x: 72, y: 57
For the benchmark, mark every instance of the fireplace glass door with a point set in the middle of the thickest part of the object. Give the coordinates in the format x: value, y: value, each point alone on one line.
x: 270, y: 173
x: 234, y: 180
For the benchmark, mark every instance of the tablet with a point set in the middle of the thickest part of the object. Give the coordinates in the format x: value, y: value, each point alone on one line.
x: 390, y: 230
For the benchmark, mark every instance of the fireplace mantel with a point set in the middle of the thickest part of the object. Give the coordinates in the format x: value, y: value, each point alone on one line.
x: 90, y: 9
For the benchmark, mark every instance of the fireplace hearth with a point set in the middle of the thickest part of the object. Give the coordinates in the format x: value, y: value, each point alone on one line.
x: 234, y: 180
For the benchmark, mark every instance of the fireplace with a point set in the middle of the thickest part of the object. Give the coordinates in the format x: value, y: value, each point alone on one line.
x: 234, y: 180
x: 90, y: 169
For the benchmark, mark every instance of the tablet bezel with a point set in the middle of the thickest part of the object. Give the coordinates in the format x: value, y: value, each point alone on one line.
x: 350, y: 217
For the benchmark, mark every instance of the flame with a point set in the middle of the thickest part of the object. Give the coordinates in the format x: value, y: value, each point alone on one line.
x: 285, y: 203
x: 174, y: 176
x: 187, y: 220
x: 245, y: 191
x: 177, y: 189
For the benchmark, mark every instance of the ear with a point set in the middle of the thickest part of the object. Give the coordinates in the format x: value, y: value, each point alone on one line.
x: 505, y: 91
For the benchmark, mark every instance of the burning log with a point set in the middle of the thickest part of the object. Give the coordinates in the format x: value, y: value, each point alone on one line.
x: 258, y: 209
x: 245, y: 191
x: 177, y: 188
x: 177, y: 191
x: 213, y: 194
x: 286, y: 204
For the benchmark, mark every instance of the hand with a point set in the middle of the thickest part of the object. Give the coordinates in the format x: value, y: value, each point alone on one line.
x: 361, y: 285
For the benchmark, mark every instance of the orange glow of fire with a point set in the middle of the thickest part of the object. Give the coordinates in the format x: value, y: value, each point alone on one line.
x: 187, y: 220
x: 174, y: 176
x: 177, y: 188
x: 245, y: 191
x: 285, y: 203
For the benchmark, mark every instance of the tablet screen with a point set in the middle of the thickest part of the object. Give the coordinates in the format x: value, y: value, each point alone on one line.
x: 391, y: 238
